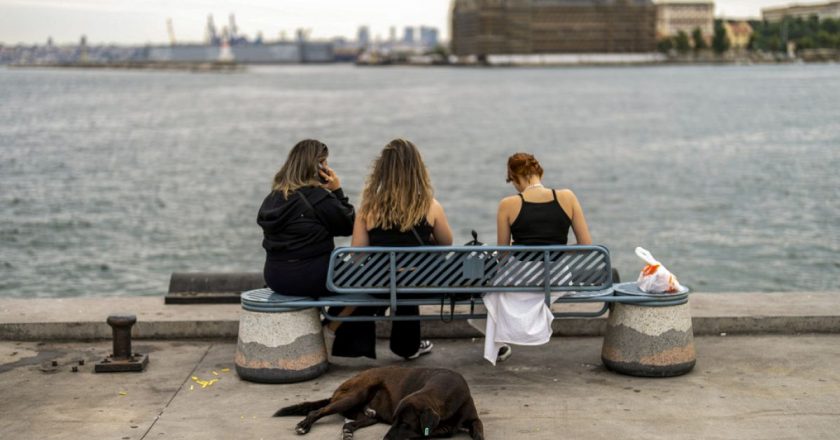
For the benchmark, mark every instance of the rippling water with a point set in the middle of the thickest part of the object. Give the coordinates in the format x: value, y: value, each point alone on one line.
x: 111, y: 180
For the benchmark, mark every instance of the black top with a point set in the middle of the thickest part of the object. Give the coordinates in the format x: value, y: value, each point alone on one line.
x: 396, y: 238
x: 541, y: 223
x: 294, y: 230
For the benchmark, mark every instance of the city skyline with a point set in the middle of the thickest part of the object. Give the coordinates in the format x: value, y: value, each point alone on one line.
x: 144, y: 21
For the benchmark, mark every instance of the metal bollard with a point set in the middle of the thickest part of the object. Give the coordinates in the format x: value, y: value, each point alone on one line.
x: 122, y: 359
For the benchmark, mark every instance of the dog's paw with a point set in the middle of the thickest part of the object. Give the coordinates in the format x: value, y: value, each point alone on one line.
x: 370, y: 413
x: 302, y: 428
x: 346, y: 434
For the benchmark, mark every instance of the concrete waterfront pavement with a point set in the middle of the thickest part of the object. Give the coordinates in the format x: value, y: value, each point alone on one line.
x: 744, y: 387
x: 712, y: 313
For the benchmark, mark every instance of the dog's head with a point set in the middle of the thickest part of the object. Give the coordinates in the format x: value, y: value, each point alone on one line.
x: 412, y: 420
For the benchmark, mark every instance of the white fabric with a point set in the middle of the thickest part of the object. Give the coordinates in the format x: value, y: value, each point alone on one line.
x: 514, y: 318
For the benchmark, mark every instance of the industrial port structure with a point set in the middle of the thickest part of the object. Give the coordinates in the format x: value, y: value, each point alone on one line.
x: 532, y: 27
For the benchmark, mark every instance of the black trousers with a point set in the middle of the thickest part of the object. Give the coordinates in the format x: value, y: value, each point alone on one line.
x: 300, y: 277
x: 352, y: 339
x: 356, y: 339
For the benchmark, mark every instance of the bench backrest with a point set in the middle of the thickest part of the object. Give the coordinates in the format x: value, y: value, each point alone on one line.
x: 469, y: 269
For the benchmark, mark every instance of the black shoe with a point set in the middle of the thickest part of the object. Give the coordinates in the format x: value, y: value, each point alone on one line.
x: 504, y: 353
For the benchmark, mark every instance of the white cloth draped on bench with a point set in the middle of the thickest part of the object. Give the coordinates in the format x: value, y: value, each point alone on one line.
x: 519, y: 318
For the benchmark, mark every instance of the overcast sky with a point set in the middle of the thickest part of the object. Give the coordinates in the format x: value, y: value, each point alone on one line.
x: 141, y: 21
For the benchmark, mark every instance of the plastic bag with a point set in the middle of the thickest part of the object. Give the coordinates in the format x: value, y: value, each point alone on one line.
x: 655, y: 278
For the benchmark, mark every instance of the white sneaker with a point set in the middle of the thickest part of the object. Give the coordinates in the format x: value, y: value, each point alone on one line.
x: 425, y: 348
x: 504, y: 353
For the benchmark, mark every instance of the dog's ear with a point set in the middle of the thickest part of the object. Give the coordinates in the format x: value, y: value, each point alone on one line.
x: 429, y: 420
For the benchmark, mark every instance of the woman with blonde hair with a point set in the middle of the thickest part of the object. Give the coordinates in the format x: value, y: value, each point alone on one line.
x: 398, y: 209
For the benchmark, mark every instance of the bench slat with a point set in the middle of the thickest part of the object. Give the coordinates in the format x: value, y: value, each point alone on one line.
x: 469, y: 269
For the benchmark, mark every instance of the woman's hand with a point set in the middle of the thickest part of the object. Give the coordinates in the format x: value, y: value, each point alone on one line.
x: 332, y: 182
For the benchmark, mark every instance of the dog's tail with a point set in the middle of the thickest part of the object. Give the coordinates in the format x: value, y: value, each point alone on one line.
x: 301, y: 409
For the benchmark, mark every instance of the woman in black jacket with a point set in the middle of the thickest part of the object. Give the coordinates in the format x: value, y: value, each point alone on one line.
x: 304, y: 211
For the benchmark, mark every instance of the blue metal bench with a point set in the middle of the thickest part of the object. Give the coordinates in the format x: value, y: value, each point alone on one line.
x: 458, y: 275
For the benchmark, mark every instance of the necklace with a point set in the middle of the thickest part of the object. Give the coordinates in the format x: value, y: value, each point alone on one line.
x: 536, y: 185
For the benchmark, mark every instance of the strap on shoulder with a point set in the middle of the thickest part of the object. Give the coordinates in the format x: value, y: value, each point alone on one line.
x: 417, y: 236
x: 554, y: 192
x: 521, y: 197
x: 310, y: 207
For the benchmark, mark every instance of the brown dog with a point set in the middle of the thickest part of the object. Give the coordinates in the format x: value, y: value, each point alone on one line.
x: 416, y: 402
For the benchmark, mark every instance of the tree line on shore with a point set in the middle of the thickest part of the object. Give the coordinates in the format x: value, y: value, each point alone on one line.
x: 810, y: 33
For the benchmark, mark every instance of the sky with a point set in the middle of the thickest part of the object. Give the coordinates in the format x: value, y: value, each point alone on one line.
x: 144, y: 21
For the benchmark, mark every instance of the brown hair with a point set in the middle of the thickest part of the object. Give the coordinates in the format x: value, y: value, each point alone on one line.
x: 301, y: 167
x: 523, y: 165
x: 398, y: 193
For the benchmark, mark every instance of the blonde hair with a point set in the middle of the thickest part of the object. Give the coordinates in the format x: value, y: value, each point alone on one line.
x: 301, y: 167
x: 398, y: 193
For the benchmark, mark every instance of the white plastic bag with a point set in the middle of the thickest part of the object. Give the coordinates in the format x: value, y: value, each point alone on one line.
x: 655, y: 278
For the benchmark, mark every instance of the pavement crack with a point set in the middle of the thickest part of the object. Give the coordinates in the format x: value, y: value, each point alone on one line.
x: 180, y: 387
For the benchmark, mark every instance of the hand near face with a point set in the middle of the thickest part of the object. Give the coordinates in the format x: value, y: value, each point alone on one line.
x: 332, y: 182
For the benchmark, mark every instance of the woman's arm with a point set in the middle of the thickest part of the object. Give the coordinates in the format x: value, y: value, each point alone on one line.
x: 440, y: 225
x: 503, y: 223
x: 579, y: 225
x: 360, y: 233
x: 338, y: 213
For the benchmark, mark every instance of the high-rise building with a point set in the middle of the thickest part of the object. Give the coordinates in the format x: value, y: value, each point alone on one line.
x: 392, y: 34
x: 363, y: 36
x: 408, y: 35
x: 428, y: 36
x: 673, y: 16
x: 531, y: 27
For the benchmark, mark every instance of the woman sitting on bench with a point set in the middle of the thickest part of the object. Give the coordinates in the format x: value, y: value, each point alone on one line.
x: 535, y: 216
x: 398, y: 209
x: 304, y: 211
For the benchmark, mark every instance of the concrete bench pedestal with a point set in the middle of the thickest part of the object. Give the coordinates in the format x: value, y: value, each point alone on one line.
x: 649, y: 341
x: 277, y: 345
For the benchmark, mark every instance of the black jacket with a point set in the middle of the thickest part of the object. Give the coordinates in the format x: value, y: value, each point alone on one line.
x: 292, y: 231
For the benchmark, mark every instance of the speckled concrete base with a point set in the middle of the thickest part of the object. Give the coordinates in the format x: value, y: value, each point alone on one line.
x: 649, y: 341
x: 280, y: 347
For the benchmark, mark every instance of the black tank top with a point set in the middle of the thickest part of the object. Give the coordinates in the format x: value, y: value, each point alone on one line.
x: 541, y: 223
x: 396, y: 238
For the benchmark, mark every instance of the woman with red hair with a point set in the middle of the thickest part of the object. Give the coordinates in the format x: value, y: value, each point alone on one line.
x: 535, y: 216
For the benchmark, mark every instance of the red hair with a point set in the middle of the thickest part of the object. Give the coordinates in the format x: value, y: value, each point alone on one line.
x: 522, y: 165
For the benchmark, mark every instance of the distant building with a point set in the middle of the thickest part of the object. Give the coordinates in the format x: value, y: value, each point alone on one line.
x: 673, y: 16
x: 363, y: 36
x: 428, y: 36
x: 821, y: 10
x: 739, y: 33
x: 533, y: 27
x: 408, y: 35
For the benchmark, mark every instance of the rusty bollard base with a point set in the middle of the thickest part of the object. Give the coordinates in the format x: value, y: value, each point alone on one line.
x: 136, y: 363
x: 122, y: 359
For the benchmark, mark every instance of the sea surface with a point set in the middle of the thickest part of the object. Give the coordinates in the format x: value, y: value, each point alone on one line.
x: 112, y: 180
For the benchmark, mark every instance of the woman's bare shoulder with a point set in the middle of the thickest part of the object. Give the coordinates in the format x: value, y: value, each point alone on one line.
x: 509, y: 201
x: 565, y: 193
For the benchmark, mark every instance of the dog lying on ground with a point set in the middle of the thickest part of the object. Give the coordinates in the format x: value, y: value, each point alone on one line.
x: 416, y: 402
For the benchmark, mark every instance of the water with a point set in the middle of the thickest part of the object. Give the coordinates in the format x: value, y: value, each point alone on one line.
x: 112, y: 180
